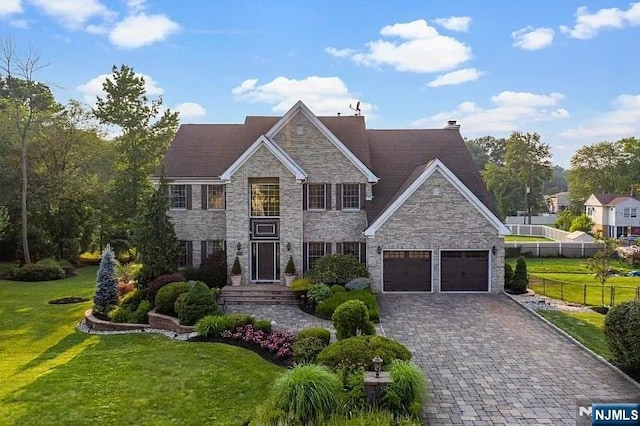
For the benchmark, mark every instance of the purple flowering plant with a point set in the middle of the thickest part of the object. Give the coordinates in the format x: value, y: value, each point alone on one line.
x: 278, y: 342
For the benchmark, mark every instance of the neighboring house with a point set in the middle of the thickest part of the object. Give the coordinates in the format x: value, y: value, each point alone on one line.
x: 558, y: 202
x: 614, y: 215
x: 409, y: 204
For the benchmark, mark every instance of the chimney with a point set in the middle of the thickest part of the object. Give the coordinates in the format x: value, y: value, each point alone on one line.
x: 453, y: 125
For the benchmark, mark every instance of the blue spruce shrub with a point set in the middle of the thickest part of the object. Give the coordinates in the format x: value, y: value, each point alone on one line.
x: 106, y: 294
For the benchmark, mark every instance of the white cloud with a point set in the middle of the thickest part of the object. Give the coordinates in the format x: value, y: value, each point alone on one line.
x: 93, y: 88
x: 623, y: 120
x: 588, y: 24
x: 339, y: 53
x: 19, y: 23
x: 136, y: 6
x: 9, y: 7
x: 509, y: 111
x: 456, y: 77
x: 190, y: 109
x: 141, y: 30
x: 323, y: 95
x: 530, y: 38
x: 73, y: 14
x: 420, y: 49
x: 455, y: 23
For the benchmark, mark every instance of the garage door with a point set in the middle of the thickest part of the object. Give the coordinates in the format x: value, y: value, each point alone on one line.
x: 407, y: 270
x: 464, y: 271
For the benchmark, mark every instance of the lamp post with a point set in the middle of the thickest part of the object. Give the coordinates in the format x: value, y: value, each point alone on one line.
x: 377, y: 365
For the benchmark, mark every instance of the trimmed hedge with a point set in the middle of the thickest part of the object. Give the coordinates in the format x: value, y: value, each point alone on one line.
x: 167, y: 296
x: 37, y: 272
x: 319, y: 332
x: 307, y: 349
x: 358, y: 351
x: 622, y: 332
x: 159, y: 282
x: 352, y: 319
x: 214, y: 325
x: 195, y: 304
x: 326, y: 308
x: 337, y: 288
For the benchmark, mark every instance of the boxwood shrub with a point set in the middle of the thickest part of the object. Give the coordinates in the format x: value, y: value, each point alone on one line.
x: 358, y: 351
x: 195, y: 304
x: 622, y: 332
x: 319, y: 332
x: 154, y: 286
x: 352, y: 319
x: 167, y: 296
x: 326, y: 308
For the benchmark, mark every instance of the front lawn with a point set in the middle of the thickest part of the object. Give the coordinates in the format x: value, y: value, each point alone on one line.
x: 53, y: 374
x: 526, y: 239
x: 585, y: 327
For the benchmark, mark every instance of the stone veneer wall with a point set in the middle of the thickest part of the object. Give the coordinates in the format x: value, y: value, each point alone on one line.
x: 263, y: 164
x: 437, y: 222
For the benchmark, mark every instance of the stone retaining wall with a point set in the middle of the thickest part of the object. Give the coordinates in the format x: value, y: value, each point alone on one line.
x: 102, y: 325
x: 166, y: 322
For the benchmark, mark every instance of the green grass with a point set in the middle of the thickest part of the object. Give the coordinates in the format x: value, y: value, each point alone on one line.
x: 526, y: 239
x: 52, y: 374
x: 561, y: 265
x: 585, y: 327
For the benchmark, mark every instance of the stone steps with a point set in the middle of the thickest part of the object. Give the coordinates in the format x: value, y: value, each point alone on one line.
x: 257, y: 294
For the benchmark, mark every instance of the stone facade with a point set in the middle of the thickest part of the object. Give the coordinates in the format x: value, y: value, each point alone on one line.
x: 437, y: 222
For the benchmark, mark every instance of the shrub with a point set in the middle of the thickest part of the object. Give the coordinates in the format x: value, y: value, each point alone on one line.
x: 132, y: 299
x: 337, y: 269
x: 167, y: 296
x: 358, y: 284
x: 318, y: 293
x: 66, y: 266
x: 235, y: 269
x: 508, y: 276
x: 520, y: 279
x: 325, y: 309
x: 195, y: 304
x: 301, y: 285
x: 122, y: 314
x: 119, y: 245
x: 89, y: 258
x: 213, y: 271
x: 358, y: 351
x: 408, y: 390
x: 124, y: 288
x: 128, y: 271
x: 290, y: 269
x: 214, y: 325
x: 354, y: 398
x: 319, y: 332
x: 622, y: 332
x: 155, y: 285
x: 37, y: 272
x: 191, y: 273
x: 352, y: 319
x: 263, y: 325
x: 40, y: 245
x: 307, y: 393
x: 106, y: 294
x: 141, y: 314
x: 307, y: 348
x: 277, y: 342
x: 68, y: 249
x: 337, y: 288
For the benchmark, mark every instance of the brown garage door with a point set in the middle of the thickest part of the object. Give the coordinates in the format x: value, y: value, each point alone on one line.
x: 464, y: 271
x: 407, y: 270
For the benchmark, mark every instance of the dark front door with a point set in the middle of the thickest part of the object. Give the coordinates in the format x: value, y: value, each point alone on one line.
x: 407, y: 270
x: 464, y: 271
x: 265, y: 261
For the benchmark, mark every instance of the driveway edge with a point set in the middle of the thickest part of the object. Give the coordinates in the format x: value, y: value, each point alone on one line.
x: 574, y: 340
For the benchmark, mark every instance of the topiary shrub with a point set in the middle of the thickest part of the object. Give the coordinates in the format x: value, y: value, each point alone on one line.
x: 290, y: 269
x: 214, y: 325
x: 236, y: 269
x: 358, y: 284
x: 326, y: 308
x: 195, y: 304
x: 352, y: 319
x: 159, y: 282
x: 167, y: 296
x: 319, y: 332
x: 622, y: 332
x: 520, y: 279
x: 106, y: 294
x: 508, y: 276
x: 307, y: 349
x: 337, y: 269
x: 358, y: 351
x: 34, y: 272
x: 408, y: 390
x: 337, y: 288
x: 308, y: 394
x: 262, y: 325
x: 319, y: 293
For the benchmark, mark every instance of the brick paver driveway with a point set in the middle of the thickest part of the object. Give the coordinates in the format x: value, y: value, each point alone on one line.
x: 490, y: 362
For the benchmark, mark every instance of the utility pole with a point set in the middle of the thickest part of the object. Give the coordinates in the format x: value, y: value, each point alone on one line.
x: 527, y: 211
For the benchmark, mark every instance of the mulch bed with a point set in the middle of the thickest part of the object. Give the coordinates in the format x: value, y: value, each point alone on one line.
x: 265, y: 354
x: 68, y: 300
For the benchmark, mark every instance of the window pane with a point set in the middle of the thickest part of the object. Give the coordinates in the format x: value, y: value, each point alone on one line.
x: 314, y: 252
x: 352, y: 248
x: 182, y: 253
x: 315, y: 193
x: 215, y: 197
x: 214, y: 245
x: 178, y: 196
x: 265, y: 199
x: 351, y: 196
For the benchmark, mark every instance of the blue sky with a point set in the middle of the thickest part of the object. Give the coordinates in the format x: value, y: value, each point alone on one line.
x: 565, y: 69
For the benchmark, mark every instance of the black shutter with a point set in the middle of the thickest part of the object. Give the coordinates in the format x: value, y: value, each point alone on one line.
x: 363, y: 253
x: 363, y: 195
x: 327, y: 196
x: 305, y: 250
x: 327, y: 249
x: 203, y: 251
x: 189, y: 253
x: 189, y: 207
x: 205, y: 201
x: 339, y: 248
x: 338, y: 196
x: 304, y: 196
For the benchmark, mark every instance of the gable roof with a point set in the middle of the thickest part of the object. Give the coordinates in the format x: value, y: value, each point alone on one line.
x: 609, y: 199
x: 415, y: 180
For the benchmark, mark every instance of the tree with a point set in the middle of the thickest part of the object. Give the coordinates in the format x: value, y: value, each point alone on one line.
x: 4, y: 220
x: 147, y: 129
x: 487, y: 149
x: 557, y: 183
x: 106, y: 294
x: 631, y: 148
x: 565, y: 219
x: 25, y: 100
x: 155, y: 237
x: 599, y: 263
x: 581, y: 223
x: 520, y: 279
x: 598, y: 168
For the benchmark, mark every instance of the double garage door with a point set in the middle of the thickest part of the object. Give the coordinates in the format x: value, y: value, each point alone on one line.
x: 410, y: 270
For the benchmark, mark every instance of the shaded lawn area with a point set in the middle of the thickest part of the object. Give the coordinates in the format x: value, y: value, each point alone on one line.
x: 585, y: 327
x: 52, y: 374
x: 563, y: 265
x: 526, y: 239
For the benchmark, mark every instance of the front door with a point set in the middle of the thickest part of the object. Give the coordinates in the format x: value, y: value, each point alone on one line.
x: 265, y: 261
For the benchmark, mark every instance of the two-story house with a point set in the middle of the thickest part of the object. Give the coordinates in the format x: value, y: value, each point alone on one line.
x: 558, y: 202
x: 614, y: 215
x: 409, y: 204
